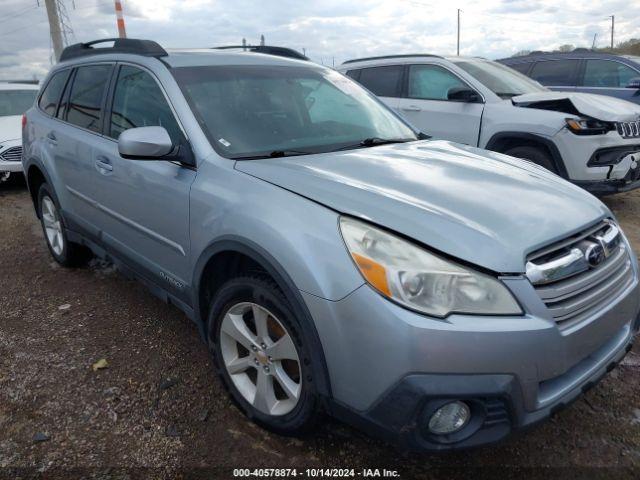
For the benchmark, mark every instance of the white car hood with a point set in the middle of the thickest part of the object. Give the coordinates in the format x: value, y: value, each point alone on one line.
x: 600, y: 107
x: 10, y: 128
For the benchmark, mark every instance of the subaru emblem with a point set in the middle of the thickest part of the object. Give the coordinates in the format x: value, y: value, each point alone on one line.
x: 594, y: 254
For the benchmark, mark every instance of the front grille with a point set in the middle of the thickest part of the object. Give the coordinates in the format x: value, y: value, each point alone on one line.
x: 13, y: 154
x: 628, y: 129
x: 585, y: 288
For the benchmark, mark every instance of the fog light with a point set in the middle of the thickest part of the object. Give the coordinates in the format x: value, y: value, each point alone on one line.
x: 449, y: 418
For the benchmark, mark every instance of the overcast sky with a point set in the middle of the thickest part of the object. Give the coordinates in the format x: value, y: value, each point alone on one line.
x: 328, y: 29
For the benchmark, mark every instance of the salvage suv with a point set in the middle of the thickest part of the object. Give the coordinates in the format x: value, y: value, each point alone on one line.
x: 591, y: 140
x: 335, y: 261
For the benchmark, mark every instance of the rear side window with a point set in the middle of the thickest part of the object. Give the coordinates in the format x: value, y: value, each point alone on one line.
x: 139, y: 102
x: 382, y: 81
x: 51, y: 95
x: 353, y: 74
x: 431, y: 82
x: 520, y: 67
x: 605, y: 73
x: 87, y: 93
x: 555, y: 72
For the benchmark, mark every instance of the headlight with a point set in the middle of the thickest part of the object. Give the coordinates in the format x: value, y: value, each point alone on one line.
x: 421, y: 280
x: 588, y: 126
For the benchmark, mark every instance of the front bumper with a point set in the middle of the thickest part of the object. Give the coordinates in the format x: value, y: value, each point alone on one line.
x: 389, y: 367
x: 12, y: 167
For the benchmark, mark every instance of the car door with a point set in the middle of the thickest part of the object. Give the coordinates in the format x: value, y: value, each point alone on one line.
x: 146, y: 201
x: 556, y: 74
x: 73, y: 139
x: 427, y: 105
x: 384, y: 81
x: 609, y: 77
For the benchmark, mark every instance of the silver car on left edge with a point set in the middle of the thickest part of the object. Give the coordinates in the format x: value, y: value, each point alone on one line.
x: 335, y: 261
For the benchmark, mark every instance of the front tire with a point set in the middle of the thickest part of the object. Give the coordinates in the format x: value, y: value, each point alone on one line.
x: 260, y: 354
x: 66, y: 253
x: 533, y: 154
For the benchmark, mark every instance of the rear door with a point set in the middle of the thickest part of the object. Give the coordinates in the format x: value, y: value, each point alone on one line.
x: 608, y: 77
x: 558, y: 75
x: 146, y: 201
x: 385, y: 82
x: 74, y: 139
x: 428, y: 108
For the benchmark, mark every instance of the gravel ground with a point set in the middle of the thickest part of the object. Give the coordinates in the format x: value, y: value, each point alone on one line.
x: 156, y: 410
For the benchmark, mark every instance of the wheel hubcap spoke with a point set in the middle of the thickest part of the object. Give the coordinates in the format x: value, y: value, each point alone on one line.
x: 283, y: 349
x: 265, y: 398
x: 235, y: 327
x: 290, y: 388
x: 260, y: 317
x: 239, y: 365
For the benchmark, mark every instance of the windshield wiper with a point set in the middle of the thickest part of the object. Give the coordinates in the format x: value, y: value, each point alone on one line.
x: 374, y: 142
x: 274, y: 154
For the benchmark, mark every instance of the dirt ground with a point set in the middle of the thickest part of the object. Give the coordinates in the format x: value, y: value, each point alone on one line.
x: 158, y: 411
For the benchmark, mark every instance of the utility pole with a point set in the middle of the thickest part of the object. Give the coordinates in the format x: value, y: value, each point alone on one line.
x: 262, y: 40
x: 593, y: 45
x: 613, y: 24
x: 458, y: 49
x: 54, y: 27
x: 122, y: 33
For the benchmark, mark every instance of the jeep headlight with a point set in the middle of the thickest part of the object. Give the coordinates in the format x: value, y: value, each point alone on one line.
x: 420, y: 280
x: 588, y: 126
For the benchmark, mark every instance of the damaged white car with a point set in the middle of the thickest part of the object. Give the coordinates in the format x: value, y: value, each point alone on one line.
x: 591, y: 140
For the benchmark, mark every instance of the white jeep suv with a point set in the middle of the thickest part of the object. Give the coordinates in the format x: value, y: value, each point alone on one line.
x: 591, y: 140
x: 15, y: 99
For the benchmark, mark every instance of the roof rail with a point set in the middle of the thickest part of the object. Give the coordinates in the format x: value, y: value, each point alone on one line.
x: 267, y: 49
x: 148, y: 48
x: 386, y: 57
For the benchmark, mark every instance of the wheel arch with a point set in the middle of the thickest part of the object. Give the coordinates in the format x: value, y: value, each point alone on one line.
x: 36, y: 176
x: 503, y: 141
x: 233, y: 256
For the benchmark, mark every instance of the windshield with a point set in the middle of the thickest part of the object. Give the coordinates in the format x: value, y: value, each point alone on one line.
x: 260, y: 110
x: 500, y: 79
x: 16, y: 102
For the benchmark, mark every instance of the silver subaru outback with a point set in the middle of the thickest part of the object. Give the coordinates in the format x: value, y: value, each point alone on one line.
x: 335, y: 260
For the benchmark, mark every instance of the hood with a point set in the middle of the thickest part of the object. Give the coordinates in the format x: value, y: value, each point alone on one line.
x: 10, y: 127
x: 482, y: 207
x: 600, y: 107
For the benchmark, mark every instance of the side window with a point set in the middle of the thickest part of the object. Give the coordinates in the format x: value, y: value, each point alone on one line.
x: 139, y: 102
x: 51, y: 94
x: 85, y: 99
x: 606, y: 73
x: 431, y: 82
x: 382, y: 81
x: 555, y: 72
x: 520, y: 67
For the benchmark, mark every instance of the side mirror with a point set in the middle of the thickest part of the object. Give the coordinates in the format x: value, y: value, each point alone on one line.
x: 144, y: 143
x: 634, y: 83
x: 463, y: 94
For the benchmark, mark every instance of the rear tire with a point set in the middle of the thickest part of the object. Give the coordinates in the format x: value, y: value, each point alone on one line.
x: 248, y: 317
x: 65, y: 252
x: 535, y: 155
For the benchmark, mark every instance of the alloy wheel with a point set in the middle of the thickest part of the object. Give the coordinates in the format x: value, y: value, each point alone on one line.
x: 52, y: 226
x: 261, y: 358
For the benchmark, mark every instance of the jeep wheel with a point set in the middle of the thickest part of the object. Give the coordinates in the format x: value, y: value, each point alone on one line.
x: 533, y: 154
x: 259, y: 352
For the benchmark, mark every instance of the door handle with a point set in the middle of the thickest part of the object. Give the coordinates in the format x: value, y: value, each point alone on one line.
x: 104, y: 165
x: 51, y: 137
x: 412, y: 108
